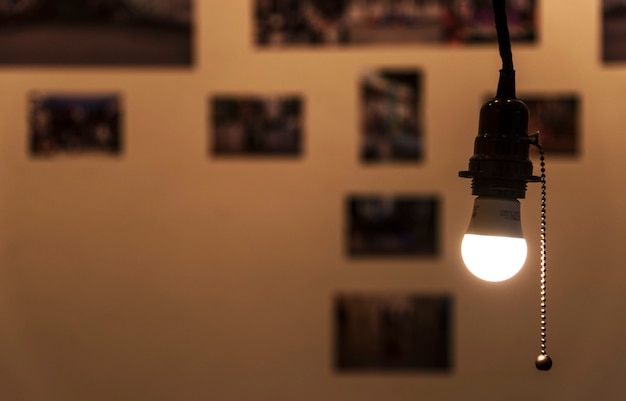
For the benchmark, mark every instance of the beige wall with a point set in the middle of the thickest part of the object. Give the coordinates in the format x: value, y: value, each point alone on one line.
x: 168, y: 275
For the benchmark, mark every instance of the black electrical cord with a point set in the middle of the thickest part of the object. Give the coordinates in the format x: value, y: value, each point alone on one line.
x: 506, y: 84
x: 502, y: 30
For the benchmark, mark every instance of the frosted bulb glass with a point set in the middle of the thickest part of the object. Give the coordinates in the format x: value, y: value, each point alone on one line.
x: 494, y: 248
x: 493, y: 258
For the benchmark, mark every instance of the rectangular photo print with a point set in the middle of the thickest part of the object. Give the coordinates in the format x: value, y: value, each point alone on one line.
x: 388, y: 226
x: 269, y: 126
x: 96, y: 32
x: 74, y: 124
x: 280, y: 23
x: 613, y: 31
x: 393, y: 332
x: 390, y: 108
x: 557, y: 118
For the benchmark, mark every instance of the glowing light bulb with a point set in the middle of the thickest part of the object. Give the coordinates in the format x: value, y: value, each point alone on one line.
x: 494, y: 248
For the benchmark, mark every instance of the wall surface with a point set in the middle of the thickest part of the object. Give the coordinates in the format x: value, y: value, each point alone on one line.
x: 167, y: 274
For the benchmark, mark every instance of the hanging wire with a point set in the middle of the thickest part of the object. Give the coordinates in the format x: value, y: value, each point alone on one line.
x: 506, y: 82
x: 502, y: 31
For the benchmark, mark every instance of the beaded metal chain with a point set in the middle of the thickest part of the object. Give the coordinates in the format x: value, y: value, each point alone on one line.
x: 543, y: 361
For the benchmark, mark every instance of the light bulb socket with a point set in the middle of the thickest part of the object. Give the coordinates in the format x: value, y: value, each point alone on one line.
x: 500, y: 166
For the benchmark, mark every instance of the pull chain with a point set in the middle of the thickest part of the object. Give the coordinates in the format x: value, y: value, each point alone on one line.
x: 543, y: 361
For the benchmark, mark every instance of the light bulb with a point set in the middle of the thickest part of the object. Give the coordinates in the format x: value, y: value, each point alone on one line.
x: 494, y: 248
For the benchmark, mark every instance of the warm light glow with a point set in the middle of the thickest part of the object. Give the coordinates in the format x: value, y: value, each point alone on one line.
x: 494, y: 248
x: 493, y: 258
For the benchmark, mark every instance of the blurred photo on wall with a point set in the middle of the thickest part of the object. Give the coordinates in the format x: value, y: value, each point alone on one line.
x: 557, y: 119
x: 393, y: 332
x: 74, y: 124
x: 390, y: 225
x: 256, y: 125
x: 613, y: 31
x: 279, y: 23
x: 391, y: 116
x: 96, y: 32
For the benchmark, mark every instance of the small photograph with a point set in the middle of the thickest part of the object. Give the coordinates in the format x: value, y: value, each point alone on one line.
x: 379, y: 225
x: 74, y: 124
x: 556, y: 117
x: 257, y: 126
x: 280, y: 23
x: 613, y: 31
x: 393, y: 332
x: 391, y: 118
x: 96, y: 32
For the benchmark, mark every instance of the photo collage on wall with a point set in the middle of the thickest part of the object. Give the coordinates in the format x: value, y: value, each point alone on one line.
x: 392, y: 331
